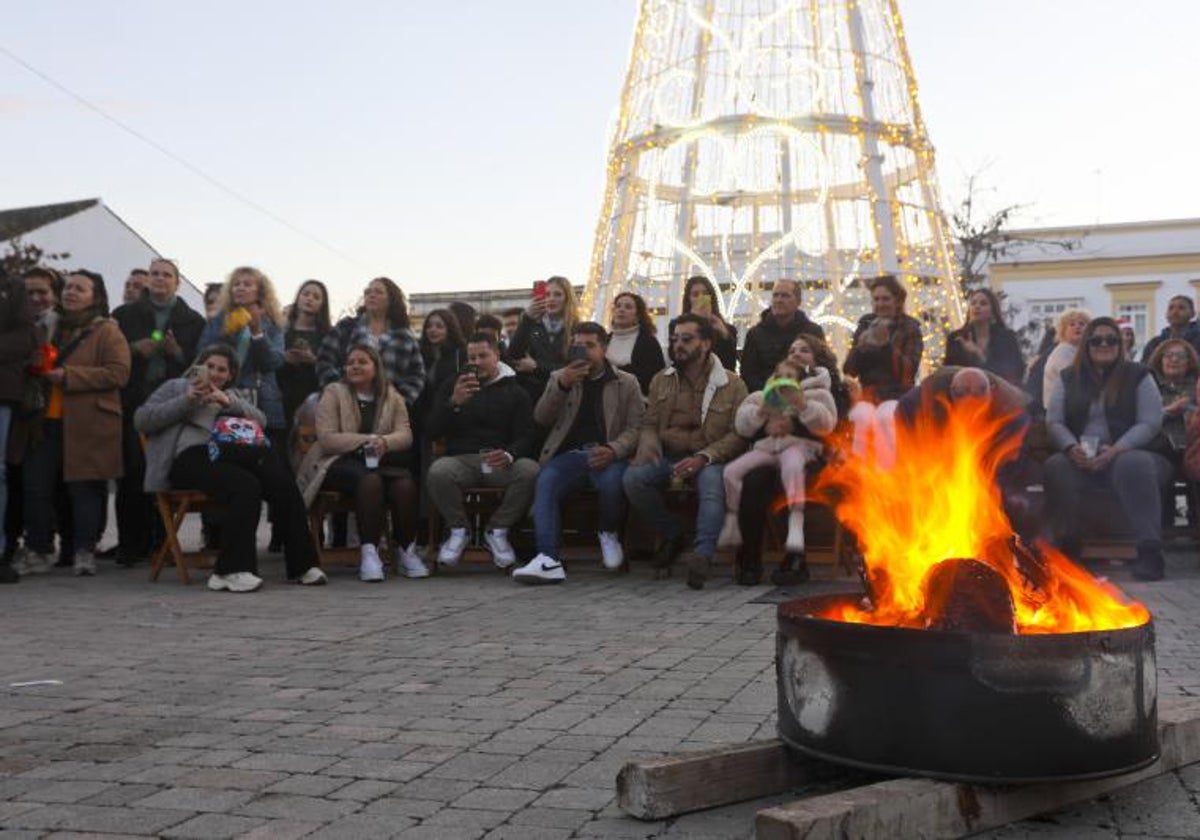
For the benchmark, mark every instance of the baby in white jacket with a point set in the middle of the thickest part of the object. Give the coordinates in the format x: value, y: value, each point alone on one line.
x: 774, y: 410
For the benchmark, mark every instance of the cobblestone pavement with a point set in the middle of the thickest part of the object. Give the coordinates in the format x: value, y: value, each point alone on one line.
x: 462, y: 706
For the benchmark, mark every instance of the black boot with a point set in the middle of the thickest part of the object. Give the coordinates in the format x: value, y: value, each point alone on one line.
x: 1149, y: 564
x: 697, y: 570
x: 793, y: 571
x: 8, y: 574
x: 664, y: 558
x: 749, y: 571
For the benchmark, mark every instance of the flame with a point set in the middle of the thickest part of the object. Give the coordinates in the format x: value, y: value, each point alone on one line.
x: 940, y: 500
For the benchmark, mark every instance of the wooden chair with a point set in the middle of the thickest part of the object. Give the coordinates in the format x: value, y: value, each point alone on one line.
x: 328, y: 502
x: 173, y: 506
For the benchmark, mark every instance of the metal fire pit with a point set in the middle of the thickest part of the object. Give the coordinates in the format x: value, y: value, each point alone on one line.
x: 975, y: 707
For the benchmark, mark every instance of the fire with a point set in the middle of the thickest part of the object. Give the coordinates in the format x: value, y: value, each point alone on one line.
x: 938, y: 501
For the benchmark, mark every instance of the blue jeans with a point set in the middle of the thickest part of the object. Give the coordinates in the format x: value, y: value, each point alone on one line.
x: 569, y: 473
x: 644, y: 484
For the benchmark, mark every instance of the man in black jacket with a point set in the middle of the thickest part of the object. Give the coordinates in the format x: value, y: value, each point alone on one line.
x: 162, y: 332
x: 486, y: 420
x: 768, y: 341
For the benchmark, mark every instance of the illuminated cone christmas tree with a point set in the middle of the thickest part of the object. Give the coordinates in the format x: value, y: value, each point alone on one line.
x: 760, y: 140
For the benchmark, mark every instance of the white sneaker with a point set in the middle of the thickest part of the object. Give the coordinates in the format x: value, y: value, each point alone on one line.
x: 502, y: 551
x: 234, y: 582
x: 611, y: 552
x: 370, y: 567
x: 731, y: 532
x: 540, y: 569
x: 313, y: 577
x: 411, y: 564
x: 452, y: 549
x: 84, y: 564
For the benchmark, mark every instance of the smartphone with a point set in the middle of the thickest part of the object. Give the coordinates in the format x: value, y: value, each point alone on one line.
x: 198, y: 374
x: 577, y: 353
x: 471, y: 370
x: 704, y: 304
x: 539, y: 289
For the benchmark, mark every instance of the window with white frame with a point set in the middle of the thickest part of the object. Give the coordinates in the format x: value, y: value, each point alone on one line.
x: 1138, y: 315
x: 1049, y: 310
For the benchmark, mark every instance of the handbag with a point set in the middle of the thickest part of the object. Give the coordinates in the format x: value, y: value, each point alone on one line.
x: 238, y: 440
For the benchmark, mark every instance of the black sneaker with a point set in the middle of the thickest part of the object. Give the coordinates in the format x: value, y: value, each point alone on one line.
x: 8, y: 574
x: 1149, y: 564
x: 697, y: 570
x: 793, y: 571
x: 664, y: 558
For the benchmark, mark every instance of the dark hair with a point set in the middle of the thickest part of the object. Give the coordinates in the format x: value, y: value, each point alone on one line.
x: 994, y: 301
x: 211, y: 289
x: 40, y: 272
x: 701, y: 280
x: 1186, y: 298
x: 643, y: 312
x: 224, y: 351
x: 1156, y: 358
x: 381, y: 381
x: 590, y: 328
x: 484, y: 337
x: 397, y: 311
x: 512, y: 311
x: 140, y: 272
x: 703, y: 325
x: 454, y: 335
x: 1090, y: 377
x: 487, y: 321
x: 465, y: 314
x: 99, y: 292
x: 324, y: 320
x: 889, y: 282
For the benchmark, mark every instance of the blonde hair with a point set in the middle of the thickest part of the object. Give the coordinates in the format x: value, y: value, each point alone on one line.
x: 570, y: 309
x: 1069, y: 316
x: 266, y: 294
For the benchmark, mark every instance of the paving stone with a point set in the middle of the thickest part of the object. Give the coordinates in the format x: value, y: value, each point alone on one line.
x: 466, y: 818
x: 496, y: 799
x: 471, y: 767
x: 363, y: 790
x: 197, y: 799
x: 64, y: 791
x: 307, y: 785
x: 362, y: 827
x: 99, y: 819
x: 230, y: 778
x: 213, y: 827
x: 592, y: 799
x: 299, y: 808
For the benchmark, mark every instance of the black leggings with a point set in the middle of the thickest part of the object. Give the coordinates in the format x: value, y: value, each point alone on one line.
x: 240, y: 489
x: 349, y: 475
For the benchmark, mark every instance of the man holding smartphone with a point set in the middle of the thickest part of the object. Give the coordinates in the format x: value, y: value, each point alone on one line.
x: 594, y: 412
x: 484, y: 417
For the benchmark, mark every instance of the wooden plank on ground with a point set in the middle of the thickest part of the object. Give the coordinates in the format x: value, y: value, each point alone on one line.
x: 657, y: 788
x: 931, y: 809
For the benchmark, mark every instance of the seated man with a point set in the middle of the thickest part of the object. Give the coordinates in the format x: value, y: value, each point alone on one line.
x: 594, y: 412
x: 485, y: 418
x: 687, y: 434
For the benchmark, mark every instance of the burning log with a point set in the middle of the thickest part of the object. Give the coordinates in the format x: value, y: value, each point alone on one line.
x: 966, y: 596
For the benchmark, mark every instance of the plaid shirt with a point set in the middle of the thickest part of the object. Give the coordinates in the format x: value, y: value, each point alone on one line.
x: 397, y: 348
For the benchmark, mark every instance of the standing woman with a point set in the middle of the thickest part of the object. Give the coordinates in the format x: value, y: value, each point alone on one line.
x: 382, y: 323
x: 82, y: 429
x: 443, y: 350
x: 700, y: 297
x: 985, y: 341
x: 179, y: 419
x: 362, y: 429
x: 308, y: 323
x: 633, y: 347
x: 539, y: 346
x: 1071, y: 326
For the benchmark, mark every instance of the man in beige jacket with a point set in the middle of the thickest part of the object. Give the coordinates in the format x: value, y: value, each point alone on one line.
x: 594, y: 412
x: 687, y: 435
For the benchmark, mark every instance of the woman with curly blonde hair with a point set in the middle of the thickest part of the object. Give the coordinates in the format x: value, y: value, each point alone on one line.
x: 249, y: 320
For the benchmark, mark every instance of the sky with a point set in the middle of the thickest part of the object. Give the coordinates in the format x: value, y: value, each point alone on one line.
x: 462, y: 145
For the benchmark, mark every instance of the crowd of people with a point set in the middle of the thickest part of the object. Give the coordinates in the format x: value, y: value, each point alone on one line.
x: 252, y: 402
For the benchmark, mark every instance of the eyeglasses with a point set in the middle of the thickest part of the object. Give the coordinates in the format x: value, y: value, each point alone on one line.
x: 1103, y: 341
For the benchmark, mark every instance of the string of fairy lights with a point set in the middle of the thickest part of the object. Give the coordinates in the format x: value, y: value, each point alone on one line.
x: 757, y: 141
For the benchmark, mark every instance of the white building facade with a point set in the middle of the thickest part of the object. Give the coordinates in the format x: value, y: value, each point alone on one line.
x: 1127, y: 270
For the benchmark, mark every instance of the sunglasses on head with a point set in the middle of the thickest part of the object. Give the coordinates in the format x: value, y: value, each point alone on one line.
x: 1104, y: 341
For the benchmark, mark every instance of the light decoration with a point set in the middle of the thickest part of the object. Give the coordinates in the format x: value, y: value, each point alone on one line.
x: 766, y: 139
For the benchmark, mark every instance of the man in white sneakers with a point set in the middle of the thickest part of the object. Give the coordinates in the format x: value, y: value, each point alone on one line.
x: 594, y: 413
x: 485, y: 418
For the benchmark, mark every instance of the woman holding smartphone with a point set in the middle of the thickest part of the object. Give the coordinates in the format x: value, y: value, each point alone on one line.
x: 700, y: 296
x: 307, y: 324
x: 362, y: 430
x: 539, y: 346
x: 179, y: 419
